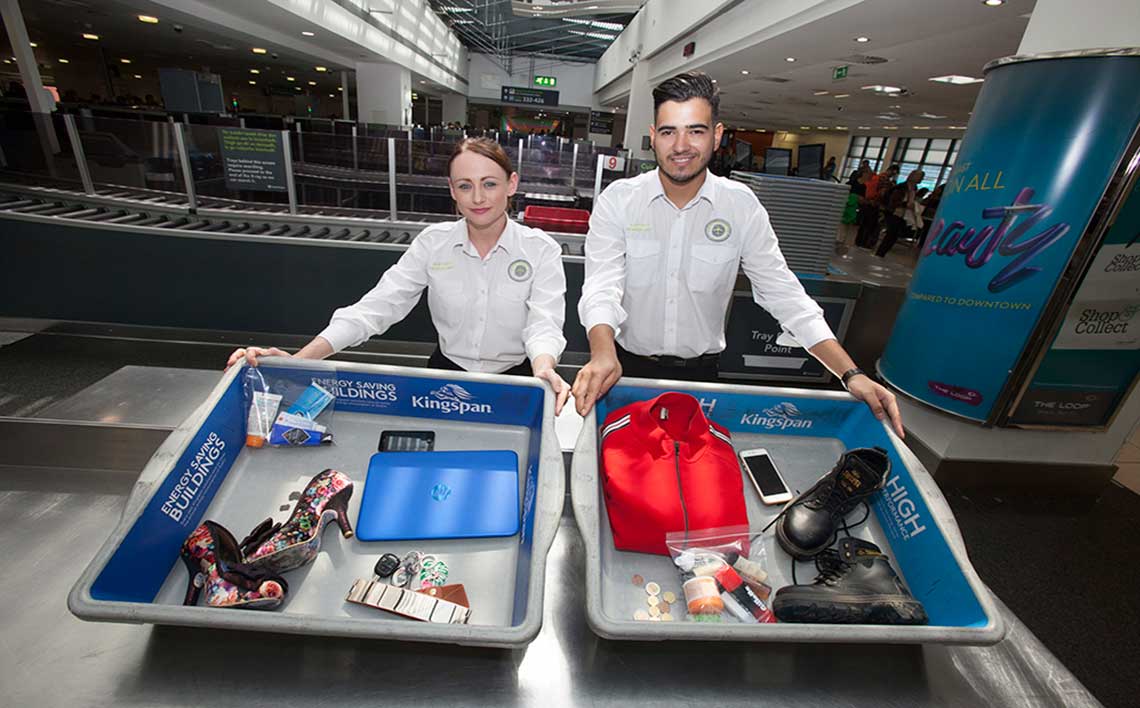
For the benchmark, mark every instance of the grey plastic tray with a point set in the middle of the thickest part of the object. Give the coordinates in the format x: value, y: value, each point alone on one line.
x: 258, y: 486
x: 612, y: 597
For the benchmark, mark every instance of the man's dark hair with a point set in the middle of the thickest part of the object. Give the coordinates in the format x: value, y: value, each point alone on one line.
x: 689, y: 85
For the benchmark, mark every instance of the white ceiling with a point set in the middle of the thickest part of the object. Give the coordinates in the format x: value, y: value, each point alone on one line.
x: 919, y: 39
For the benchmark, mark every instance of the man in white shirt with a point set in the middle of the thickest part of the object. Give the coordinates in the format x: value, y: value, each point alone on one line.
x: 662, y: 256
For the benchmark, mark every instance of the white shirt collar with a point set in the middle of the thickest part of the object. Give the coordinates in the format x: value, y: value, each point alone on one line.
x: 707, y: 191
x: 508, y: 240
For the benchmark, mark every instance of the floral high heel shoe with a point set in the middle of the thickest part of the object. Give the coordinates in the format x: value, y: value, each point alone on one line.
x: 277, y: 548
x: 212, y: 556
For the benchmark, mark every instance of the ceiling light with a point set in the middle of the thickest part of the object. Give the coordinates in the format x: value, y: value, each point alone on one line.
x: 879, y: 88
x: 297, y: 87
x: 252, y: 82
x: 789, y: 58
x: 332, y: 95
x: 930, y: 116
x: 596, y: 24
x: 819, y: 93
x: 88, y: 35
x: 955, y: 79
x: 956, y: 127
x: 714, y: 81
x: 33, y: 44
x: 149, y: 19
x: 890, y: 127
x: 921, y: 127
x: 309, y: 34
x: 290, y: 78
x: 842, y: 95
x: 862, y: 40
x: 258, y: 50
x: 423, y: 82
x: 255, y: 71
x: 7, y: 61
x: 339, y: 88
x: 821, y: 127
x: 864, y: 127
x: 312, y: 83
x: 63, y: 61
x: 744, y: 71
x: 138, y: 76
x: 841, y: 127
x: 594, y: 35
x: 125, y: 61
x: 321, y: 69
x: 993, y: 3
x: 805, y: 127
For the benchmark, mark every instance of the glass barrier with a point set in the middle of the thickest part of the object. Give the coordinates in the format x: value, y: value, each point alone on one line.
x: 203, y: 145
x: 131, y: 153
x: 35, y: 149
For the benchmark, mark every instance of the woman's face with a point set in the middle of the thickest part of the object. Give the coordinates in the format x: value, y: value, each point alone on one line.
x: 480, y: 188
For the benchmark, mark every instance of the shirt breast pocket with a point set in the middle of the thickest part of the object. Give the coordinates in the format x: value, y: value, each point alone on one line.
x: 446, y: 299
x: 641, y: 256
x: 710, y: 266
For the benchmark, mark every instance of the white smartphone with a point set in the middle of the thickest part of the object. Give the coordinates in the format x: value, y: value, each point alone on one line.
x: 765, y: 477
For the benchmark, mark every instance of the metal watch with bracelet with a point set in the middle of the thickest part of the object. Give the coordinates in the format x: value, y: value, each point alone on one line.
x: 850, y: 374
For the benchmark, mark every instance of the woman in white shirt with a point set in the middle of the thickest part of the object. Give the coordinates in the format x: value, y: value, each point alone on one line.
x: 496, y: 288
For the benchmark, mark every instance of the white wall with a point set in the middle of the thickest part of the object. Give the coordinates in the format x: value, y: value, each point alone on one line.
x: 575, y: 81
x: 746, y: 24
x: 1063, y: 25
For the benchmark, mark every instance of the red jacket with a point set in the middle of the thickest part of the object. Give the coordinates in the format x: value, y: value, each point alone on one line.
x: 675, y: 473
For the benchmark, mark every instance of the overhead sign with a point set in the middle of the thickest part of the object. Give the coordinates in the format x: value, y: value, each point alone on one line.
x: 839, y: 72
x: 529, y: 96
x: 546, y: 81
x: 253, y: 159
x: 601, y: 123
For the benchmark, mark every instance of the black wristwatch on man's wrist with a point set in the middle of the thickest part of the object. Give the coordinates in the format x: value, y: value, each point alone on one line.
x: 850, y: 374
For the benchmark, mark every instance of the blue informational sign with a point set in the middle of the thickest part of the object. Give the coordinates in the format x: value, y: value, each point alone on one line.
x: 1044, y: 140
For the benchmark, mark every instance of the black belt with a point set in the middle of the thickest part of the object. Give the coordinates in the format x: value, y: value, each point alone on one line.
x: 701, y: 361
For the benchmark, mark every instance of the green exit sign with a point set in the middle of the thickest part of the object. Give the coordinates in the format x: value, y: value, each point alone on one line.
x: 545, y: 81
x: 839, y: 72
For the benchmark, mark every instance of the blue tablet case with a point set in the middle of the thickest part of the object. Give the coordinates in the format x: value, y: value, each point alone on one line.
x: 453, y: 494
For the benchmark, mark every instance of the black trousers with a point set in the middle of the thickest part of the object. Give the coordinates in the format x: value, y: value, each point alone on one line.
x: 896, y: 227
x: 645, y: 368
x: 438, y: 361
x: 868, y: 226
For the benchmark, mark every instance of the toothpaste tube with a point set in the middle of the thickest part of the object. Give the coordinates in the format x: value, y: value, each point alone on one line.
x: 262, y: 410
x: 311, y: 402
x: 296, y: 431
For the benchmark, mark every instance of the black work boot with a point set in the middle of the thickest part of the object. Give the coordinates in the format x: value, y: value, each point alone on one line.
x: 809, y: 524
x: 856, y: 585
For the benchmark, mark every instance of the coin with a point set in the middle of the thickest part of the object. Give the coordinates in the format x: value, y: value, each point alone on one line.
x: 641, y: 615
x: 654, y: 611
x: 669, y: 596
x: 653, y: 600
x: 638, y: 580
x: 666, y: 617
x: 653, y: 588
x: 664, y: 606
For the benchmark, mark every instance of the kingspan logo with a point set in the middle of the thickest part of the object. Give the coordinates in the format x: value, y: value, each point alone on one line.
x: 451, y: 398
x: 780, y: 416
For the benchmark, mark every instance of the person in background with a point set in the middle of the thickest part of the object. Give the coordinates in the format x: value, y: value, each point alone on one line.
x: 495, y: 288
x: 901, y: 212
x: 864, y: 166
x: 929, y: 209
x: 829, y: 169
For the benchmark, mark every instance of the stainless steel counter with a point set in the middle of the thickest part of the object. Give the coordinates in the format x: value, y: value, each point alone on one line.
x: 55, y: 519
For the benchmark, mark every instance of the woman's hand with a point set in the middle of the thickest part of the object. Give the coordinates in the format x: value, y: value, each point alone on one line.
x: 543, y: 368
x: 251, y: 354
x: 881, y: 401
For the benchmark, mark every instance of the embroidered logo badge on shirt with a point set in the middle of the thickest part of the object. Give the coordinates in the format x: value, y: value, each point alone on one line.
x: 442, y: 266
x: 718, y: 230
x: 520, y: 270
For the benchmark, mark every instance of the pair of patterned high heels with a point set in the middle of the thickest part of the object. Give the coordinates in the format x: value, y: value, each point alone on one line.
x: 248, y: 574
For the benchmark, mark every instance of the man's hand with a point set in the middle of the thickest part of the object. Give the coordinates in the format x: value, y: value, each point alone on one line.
x: 881, y: 401
x: 594, y: 379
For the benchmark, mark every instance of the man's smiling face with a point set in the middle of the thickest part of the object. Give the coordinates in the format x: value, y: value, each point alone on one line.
x: 684, y: 138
